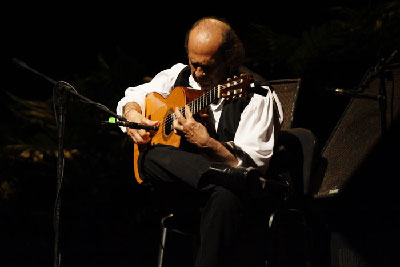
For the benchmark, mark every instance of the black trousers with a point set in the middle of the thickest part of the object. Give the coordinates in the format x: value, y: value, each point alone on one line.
x: 175, y: 174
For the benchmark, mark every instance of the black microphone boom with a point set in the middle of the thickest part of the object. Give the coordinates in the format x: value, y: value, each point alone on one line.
x: 355, y: 94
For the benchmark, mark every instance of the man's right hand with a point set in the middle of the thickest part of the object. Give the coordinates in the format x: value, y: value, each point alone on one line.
x: 139, y: 136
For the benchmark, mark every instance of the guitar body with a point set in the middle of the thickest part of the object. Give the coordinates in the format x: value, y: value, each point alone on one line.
x: 157, y: 109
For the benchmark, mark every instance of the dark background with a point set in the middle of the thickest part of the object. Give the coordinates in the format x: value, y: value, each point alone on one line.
x: 106, y: 218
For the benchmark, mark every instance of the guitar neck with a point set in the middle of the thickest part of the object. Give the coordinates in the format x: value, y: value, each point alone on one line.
x: 203, y: 101
x: 234, y: 88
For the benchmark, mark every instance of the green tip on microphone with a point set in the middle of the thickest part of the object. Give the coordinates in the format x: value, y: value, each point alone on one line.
x: 111, y: 120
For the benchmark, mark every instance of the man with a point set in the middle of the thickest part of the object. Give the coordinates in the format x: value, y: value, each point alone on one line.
x: 218, y: 162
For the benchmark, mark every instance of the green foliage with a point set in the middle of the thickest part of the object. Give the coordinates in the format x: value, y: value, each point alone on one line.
x: 347, y: 43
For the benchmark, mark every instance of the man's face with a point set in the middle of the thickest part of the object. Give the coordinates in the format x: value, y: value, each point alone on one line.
x: 207, y: 67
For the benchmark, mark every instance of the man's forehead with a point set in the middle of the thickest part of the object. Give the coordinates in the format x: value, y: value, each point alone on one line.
x: 204, y: 44
x: 206, y: 35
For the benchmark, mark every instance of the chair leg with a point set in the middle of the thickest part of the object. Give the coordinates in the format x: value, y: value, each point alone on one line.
x: 162, y: 246
x: 162, y: 241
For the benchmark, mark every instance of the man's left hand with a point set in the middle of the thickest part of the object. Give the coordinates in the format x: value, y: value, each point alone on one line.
x: 193, y: 131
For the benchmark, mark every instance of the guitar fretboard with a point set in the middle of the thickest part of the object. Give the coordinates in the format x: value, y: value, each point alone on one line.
x: 203, y: 101
x: 195, y: 106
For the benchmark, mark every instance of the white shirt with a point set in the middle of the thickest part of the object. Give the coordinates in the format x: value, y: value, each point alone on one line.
x: 256, y: 132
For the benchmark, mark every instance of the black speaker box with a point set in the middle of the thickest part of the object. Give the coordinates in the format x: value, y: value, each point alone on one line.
x: 366, y: 120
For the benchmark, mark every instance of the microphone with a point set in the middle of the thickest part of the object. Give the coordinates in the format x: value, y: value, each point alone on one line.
x: 129, y: 124
x: 354, y: 93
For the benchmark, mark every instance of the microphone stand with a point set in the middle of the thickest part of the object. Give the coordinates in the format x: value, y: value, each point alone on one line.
x: 61, y: 95
x: 60, y: 102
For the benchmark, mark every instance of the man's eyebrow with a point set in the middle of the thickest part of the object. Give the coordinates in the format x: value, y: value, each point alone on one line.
x: 194, y: 62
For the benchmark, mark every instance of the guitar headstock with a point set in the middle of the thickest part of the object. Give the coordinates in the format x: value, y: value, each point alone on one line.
x: 236, y: 87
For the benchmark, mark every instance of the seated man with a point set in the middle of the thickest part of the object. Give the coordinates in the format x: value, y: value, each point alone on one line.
x: 217, y: 165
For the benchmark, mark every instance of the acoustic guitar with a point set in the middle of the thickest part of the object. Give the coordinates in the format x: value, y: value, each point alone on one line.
x: 162, y: 109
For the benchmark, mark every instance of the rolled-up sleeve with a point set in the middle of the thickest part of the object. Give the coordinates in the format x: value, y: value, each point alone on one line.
x: 257, y: 129
x: 162, y: 83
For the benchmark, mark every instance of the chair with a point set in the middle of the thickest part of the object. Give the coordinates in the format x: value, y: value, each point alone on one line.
x: 297, y: 158
x: 295, y: 155
x: 287, y: 91
x: 181, y: 224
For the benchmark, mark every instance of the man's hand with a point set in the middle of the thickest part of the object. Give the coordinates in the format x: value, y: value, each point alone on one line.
x: 139, y: 136
x: 193, y: 131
